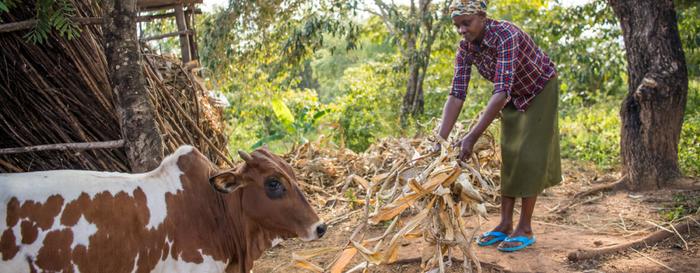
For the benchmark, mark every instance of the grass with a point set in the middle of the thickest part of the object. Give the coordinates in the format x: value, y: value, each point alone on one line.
x: 682, y: 205
x: 592, y: 134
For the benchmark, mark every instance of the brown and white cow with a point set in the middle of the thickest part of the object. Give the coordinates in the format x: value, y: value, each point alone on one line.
x: 184, y: 216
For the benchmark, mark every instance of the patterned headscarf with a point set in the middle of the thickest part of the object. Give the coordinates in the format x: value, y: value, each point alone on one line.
x: 467, y: 7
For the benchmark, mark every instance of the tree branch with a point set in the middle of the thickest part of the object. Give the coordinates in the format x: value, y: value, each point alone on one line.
x: 65, y: 146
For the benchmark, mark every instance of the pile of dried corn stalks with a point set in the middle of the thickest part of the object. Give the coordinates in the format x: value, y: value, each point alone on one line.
x: 420, y: 194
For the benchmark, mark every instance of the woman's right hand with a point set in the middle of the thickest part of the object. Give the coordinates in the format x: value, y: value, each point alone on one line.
x: 436, y: 148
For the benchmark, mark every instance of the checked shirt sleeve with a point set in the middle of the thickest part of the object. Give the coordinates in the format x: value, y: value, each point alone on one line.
x: 507, y: 51
x: 463, y: 70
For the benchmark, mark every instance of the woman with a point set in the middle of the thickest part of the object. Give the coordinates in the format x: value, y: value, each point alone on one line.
x: 526, y: 92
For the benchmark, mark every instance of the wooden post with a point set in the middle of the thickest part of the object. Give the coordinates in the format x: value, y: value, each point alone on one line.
x: 65, y: 147
x: 184, y: 40
x: 27, y: 24
x: 142, y: 139
x: 189, y: 18
x: 165, y: 35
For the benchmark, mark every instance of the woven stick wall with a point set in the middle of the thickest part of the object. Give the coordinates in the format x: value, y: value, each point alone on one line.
x: 58, y: 92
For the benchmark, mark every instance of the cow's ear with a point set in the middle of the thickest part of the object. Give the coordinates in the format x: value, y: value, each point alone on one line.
x: 226, y: 182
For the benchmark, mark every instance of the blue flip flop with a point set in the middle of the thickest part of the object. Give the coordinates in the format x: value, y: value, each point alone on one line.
x: 523, y: 240
x: 497, y: 237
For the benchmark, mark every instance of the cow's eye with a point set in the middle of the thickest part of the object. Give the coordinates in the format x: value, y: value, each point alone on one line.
x: 274, y: 188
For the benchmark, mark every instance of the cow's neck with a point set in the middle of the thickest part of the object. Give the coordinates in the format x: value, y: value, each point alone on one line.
x: 259, y: 240
x: 201, y: 209
x: 251, y: 239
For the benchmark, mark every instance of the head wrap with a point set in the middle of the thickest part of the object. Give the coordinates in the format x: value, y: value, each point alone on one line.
x: 467, y: 7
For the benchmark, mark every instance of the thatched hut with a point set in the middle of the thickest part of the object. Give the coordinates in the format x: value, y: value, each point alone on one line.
x: 58, y: 109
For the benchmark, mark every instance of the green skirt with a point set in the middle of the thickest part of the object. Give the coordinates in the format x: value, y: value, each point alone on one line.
x: 530, y: 145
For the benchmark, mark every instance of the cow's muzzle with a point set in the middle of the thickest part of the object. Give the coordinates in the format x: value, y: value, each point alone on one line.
x: 315, y: 231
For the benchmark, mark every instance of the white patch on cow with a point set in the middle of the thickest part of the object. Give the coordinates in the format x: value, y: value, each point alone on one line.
x: 16, y: 230
x: 136, y: 263
x: 3, y: 216
x: 70, y: 184
x: 276, y: 241
x: 19, y: 261
x: 209, y: 265
x: 311, y: 232
x: 82, y: 232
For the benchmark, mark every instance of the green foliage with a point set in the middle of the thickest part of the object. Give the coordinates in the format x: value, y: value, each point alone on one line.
x: 689, y: 148
x: 354, y: 97
x: 6, y: 5
x: 329, y: 63
x: 50, y: 15
x: 592, y: 134
x: 352, y: 197
x: 272, y: 35
x: 265, y: 113
x: 682, y: 205
x: 165, y: 46
x: 295, y: 128
x: 282, y: 112
x: 689, y: 30
x: 369, y: 109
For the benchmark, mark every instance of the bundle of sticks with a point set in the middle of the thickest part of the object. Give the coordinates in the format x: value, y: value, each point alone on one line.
x: 58, y: 92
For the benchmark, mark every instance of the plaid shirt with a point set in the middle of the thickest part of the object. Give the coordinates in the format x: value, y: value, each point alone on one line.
x: 509, y: 58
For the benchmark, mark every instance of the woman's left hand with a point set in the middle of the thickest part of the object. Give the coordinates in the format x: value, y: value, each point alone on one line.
x: 466, y: 148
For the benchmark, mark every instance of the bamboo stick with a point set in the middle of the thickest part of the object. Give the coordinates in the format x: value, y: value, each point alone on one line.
x: 27, y: 24
x: 65, y: 146
x: 166, y: 35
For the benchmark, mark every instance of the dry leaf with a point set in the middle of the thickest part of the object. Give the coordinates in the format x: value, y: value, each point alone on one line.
x: 344, y: 259
x: 303, y: 263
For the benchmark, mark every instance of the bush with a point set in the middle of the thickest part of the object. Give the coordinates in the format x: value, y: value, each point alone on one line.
x: 370, y: 107
x: 592, y: 134
x: 689, y: 148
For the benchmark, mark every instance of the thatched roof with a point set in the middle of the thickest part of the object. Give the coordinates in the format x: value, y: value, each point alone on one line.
x: 59, y: 92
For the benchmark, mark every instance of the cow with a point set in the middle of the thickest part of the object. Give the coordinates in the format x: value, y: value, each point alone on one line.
x: 183, y: 216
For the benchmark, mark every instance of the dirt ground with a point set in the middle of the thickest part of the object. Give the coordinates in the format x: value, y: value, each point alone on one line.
x: 606, y: 219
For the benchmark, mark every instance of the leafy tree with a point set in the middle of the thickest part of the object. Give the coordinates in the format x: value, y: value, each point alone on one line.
x: 49, y: 15
x: 414, y: 30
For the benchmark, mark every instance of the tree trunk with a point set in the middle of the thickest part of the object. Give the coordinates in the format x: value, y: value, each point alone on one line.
x: 418, y: 100
x: 411, y: 84
x: 652, y: 112
x: 143, y: 142
x: 409, y: 96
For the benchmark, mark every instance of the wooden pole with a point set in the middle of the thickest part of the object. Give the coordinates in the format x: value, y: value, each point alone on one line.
x: 189, y: 19
x: 184, y: 38
x: 161, y: 6
x: 27, y: 24
x: 166, y: 35
x: 147, y: 18
x: 65, y: 146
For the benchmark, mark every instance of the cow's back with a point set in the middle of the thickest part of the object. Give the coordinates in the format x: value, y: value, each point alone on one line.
x: 84, y: 221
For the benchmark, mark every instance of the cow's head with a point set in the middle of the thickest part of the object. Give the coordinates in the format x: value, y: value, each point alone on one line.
x: 270, y: 196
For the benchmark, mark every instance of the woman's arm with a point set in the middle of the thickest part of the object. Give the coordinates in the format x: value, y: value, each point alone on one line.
x: 496, y: 103
x: 449, y: 115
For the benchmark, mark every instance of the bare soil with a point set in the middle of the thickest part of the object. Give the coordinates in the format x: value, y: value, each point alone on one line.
x: 605, y: 219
